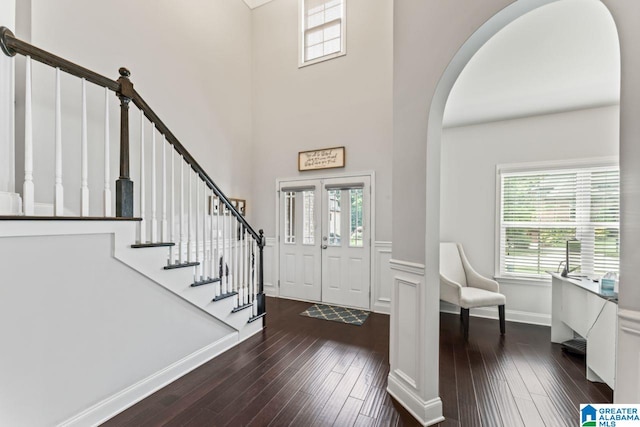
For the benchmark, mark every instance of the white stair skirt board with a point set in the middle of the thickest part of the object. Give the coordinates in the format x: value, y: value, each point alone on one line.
x: 426, y: 412
x: 128, y: 397
x: 10, y: 203
x: 531, y: 318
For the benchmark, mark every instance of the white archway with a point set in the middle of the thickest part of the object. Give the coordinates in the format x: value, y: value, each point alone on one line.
x: 413, y: 381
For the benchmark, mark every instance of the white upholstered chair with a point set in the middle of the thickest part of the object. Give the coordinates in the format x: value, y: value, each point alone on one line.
x: 461, y: 285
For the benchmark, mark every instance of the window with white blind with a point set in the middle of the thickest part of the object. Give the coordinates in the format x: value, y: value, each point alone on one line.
x: 322, y: 32
x: 541, y: 209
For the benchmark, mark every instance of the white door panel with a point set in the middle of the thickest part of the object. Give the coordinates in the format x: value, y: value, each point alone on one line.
x: 346, y: 239
x: 300, y: 243
x: 325, y: 242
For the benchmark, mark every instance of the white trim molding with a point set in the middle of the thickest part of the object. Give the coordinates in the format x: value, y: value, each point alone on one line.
x: 414, y: 362
x: 407, y: 266
x: 106, y: 409
x: 426, y: 412
x: 252, y: 4
x: 382, y: 278
x: 518, y: 316
x: 628, y: 357
x: 270, y: 269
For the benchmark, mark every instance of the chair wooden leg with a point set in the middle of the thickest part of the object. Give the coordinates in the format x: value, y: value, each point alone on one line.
x: 501, y: 314
x: 464, y: 313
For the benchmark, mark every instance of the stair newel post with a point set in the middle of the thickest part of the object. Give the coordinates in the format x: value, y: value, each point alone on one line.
x: 260, y: 297
x: 124, y: 185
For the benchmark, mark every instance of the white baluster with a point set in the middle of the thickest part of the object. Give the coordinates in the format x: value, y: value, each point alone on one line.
x: 190, y: 219
x: 28, y: 187
x: 253, y: 275
x: 223, y: 277
x: 205, y: 258
x: 217, y: 259
x: 245, y: 263
x: 58, y: 195
x: 182, y: 228
x: 212, y: 273
x: 163, y: 219
x: 172, y: 210
x: 107, y: 175
x: 143, y: 224
x: 84, y: 185
x: 236, y: 279
x: 154, y: 204
x: 197, y: 228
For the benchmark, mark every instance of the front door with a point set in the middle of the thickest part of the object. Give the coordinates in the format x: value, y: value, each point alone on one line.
x: 325, y: 240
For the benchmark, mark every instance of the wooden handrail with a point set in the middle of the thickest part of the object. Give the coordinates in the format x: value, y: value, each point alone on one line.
x: 11, y: 46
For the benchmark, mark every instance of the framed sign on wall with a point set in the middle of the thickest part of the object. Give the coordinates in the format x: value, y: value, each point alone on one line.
x: 325, y: 158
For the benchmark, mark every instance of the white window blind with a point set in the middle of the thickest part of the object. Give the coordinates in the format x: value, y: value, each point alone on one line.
x: 322, y: 29
x: 541, y: 210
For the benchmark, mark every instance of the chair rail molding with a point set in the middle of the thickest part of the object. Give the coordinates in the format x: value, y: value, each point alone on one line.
x: 407, y: 266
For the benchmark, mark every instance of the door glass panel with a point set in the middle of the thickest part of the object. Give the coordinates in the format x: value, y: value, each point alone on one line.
x: 289, y: 217
x: 308, y: 224
x: 355, y: 218
x: 334, y: 217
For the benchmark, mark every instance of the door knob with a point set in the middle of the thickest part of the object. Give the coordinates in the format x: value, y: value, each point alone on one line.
x: 324, y: 246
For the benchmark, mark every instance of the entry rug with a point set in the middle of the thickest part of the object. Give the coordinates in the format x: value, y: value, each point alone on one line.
x: 351, y: 316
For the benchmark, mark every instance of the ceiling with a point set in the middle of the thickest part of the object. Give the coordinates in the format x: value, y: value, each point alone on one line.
x: 559, y: 57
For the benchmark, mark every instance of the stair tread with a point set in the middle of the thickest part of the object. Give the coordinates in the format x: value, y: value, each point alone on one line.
x: 205, y: 281
x: 256, y: 317
x: 186, y: 264
x: 152, y: 245
x: 224, y: 296
x: 241, y: 307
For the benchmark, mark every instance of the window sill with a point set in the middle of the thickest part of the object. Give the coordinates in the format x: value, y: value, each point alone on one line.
x: 531, y: 281
x: 321, y: 59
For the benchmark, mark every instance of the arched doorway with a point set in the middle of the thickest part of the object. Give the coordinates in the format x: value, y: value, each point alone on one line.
x: 416, y: 286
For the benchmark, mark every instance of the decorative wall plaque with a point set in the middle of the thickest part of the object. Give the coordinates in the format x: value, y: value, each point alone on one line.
x: 325, y: 158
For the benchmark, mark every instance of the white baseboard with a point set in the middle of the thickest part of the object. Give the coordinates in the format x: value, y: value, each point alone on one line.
x: 426, y: 412
x: 510, y: 315
x: 108, y: 408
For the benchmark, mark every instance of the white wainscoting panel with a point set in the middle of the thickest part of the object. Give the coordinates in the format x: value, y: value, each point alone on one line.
x: 270, y: 262
x: 413, y: 304
x: 628, y: 358
x: 382, y: 278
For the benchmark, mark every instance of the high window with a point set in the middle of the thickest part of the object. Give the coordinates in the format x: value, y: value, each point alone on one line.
x: 540, y: 209
x: 322, y: 32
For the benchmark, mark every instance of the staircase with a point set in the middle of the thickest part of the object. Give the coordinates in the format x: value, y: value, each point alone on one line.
x: 174, y: 227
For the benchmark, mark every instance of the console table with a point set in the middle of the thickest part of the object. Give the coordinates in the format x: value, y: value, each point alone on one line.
x: 580, y: 306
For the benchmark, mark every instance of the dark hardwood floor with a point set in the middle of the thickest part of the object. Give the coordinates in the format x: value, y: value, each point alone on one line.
x: 301, y: 371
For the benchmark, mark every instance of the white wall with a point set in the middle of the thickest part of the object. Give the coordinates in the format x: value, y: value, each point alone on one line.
x: 191, y: 64
x: 468, y: 179
x: 77, y: 326
x: 344, y: 101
